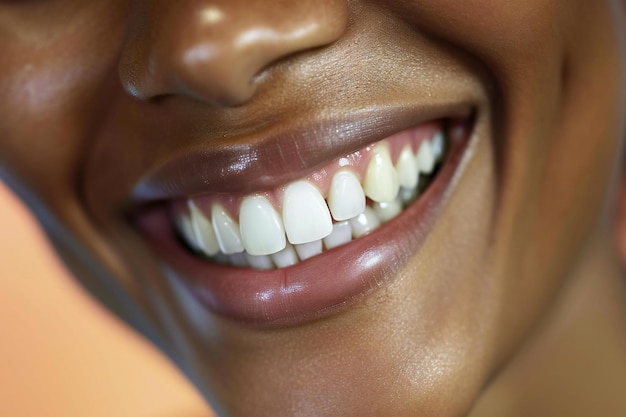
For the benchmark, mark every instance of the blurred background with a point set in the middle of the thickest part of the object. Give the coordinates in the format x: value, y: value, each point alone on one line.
x: 61, y: 353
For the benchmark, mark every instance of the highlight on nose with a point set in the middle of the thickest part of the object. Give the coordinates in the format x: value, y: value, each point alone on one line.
x: 212, y: 51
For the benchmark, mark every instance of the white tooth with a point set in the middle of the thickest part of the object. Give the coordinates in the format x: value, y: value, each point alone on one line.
x: 425, y: 157
x: 307, y: 250
x: 438, y: 145
x: 364, y: 223
x: 203, y: 230
x: 262, y: 231
x: 260, y: 262
x: 381, y: 180
x: 407, y: 168
x: 226, y: 230
x: 185, y: 228
x: 388, y: 210
x: 238, y: 259
x: 345, y: 198
x: 342, y: 234
x: 305, y: 214
x: 285, y: 257
x: 407, y: 195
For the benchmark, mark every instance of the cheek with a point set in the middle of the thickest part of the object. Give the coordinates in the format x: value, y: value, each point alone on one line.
x: 556, y: 154
x: 55, y: 71
x: 557, y: 106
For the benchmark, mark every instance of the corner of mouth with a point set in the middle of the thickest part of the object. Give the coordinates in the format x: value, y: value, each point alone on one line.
x: 308, y: 273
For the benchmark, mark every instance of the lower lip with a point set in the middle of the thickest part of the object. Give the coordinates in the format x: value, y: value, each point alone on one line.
x: 320, y: 286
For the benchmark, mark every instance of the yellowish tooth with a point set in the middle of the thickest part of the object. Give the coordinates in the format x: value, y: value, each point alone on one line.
x: 407, y: 168
x: 381, y: 181
x: 425, y: 157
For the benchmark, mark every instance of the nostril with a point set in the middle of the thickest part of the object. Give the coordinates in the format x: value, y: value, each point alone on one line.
x: 212, y: 52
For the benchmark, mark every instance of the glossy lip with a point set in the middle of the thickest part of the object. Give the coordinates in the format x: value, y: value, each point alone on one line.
x: 306, y: 291
x: 276, y: 155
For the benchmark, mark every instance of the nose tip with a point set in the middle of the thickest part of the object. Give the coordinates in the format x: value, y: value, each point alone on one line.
x: 212, y: 51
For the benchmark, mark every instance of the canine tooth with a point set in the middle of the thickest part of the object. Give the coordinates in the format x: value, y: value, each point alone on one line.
x: 226, y: 231
x: 305, y: 213
x: 203, y: 230
x: 342, y: 234
x: 285, y: 257
x: 307, y: 250
x: 260, y: 261
x: 381, y: 180
x: 185, y: 228
x: 364, y: 223
x: 388, y: 210
x: 425, y: 157
x: 345, y: 198
x: 262, y: 231
x: 438, y: 145
x: 407, y: 168
x: 238, y: 259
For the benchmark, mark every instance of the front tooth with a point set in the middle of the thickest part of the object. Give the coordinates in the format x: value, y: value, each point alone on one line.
x: 438, y: 145
x: 203, y: 230
x: 388, y: 210
x: 285, y: 257
x: 308, y: 250
x: 364, y: 223
x: 425, y: 157
x: 305, y: 214
x: 345, y: 198
x: 259, y: 262
x: 262, y: 231
x: 381, y: 180
x: 226, y: 231
x: 341, y: 235
x: 407, y: 168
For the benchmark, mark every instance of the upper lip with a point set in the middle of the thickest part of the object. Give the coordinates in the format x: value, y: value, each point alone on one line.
x: 278, y: 154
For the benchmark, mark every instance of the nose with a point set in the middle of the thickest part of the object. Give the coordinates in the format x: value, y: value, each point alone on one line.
x: 213, y: 51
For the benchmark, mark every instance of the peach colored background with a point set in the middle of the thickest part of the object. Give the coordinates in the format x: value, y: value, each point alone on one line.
x: 61, y: 354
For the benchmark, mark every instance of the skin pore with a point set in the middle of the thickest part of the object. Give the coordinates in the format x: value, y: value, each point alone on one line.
x: 511, y: 270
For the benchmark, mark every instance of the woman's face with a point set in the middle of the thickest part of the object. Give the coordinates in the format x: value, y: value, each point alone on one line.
x: 151, y: 127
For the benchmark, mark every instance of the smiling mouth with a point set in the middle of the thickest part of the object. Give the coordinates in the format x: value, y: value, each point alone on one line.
x: 306, y: 248
x: 347, y: 199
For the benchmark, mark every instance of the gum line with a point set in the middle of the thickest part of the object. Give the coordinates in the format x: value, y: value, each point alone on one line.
x: 357, y: 162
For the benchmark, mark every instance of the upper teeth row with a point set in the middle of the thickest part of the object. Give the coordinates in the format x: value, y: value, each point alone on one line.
x: 306, y: 216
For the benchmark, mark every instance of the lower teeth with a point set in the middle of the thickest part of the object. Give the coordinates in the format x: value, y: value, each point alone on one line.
x: 344, y: 232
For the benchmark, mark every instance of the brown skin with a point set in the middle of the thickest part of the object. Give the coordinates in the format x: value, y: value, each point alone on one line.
x: 94, y: 94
